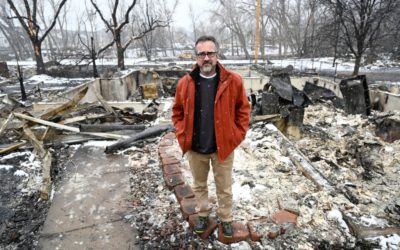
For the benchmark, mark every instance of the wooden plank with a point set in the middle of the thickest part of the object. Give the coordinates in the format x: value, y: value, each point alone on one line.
x: 259, y: 118
x: 107, y: 135
x: 11, y: 148
x: 107, y: 107
x: 69, y: 128
x: 362, y: 232
x: 109, y: 127
x: 137, y: 106
x: 83, y: 118
x: 46, y: 159
x: 5, y: 124
x: 45, y: 189
x: 47, y: 123
x: 303, y: 164
x: 38, y: 145
x: 66, y: 106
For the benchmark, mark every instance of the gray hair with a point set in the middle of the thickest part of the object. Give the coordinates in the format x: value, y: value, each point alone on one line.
x: 205, y: 39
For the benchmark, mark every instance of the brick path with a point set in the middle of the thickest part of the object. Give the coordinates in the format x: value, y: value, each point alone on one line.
x: 175, y: 182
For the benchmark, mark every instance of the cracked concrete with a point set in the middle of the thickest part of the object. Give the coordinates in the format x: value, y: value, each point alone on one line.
x: 89, y: 208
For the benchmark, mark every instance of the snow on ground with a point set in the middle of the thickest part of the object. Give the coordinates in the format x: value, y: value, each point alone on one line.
x: 318, y: 64
x: 264, y: 177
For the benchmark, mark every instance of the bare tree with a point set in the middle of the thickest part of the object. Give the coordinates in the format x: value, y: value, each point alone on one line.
x: 116, y: 27
x: 229, y: 14
x: 150, y: 16
x: 28, y: 20
x: 59, y: 40
x: 168, y: 13
x: 16, y: 37
x: 88, y: 36
x: 361, y: 21
x: 194, y: 20
x: 279, y: 20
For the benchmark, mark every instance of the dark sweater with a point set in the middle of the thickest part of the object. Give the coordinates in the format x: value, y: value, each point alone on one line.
x: 203, y: 131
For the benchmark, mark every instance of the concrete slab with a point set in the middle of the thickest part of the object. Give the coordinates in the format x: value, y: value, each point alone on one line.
x: 87, y: 211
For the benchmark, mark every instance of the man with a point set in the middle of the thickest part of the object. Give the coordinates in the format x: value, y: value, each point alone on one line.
x: 211, y: 116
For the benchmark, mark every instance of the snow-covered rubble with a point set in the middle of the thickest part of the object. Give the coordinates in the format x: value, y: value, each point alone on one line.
x: 265, y: 180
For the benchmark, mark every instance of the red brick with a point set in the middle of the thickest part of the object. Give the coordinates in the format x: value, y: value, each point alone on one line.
x: 170, y: 136
x: 240, y: 232
x: 284, y: 216
x: 212, y: 225
x: 168, y: 156
x: 162, y: 151
x: 254, y: 235
x: 188, y: 207
x: 172, y: 169
x: 173, y: 180
x: 169, y: 160
x: 166, y: 143
x: 292, y: 210
x: 164, y: 155
x: 183, y: 192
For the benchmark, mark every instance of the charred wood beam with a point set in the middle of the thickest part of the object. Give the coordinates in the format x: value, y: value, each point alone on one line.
x: 111, y: 127
x: 5, y: 124
x: 304, y: 165
x: 105, y: 105
x: 66, y: 106
x: 46, y: 158
x: 10, y: 148
x: 266, y: 118
x: 68, y: 128
x: 150, y: 132
x: 85, y: 118
x: 362, y: 232
x: 312, y: 172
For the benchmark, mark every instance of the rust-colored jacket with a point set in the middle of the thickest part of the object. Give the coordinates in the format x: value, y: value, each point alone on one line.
x: 231, y: 111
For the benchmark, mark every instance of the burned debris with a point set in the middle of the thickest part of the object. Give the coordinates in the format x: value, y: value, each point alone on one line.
x: 322, y: 175
x: 47, y: 128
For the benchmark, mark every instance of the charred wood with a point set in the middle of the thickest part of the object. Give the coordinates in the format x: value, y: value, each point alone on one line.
x: 111, y: 127
x: 362, y: 232
x: 148, y: 133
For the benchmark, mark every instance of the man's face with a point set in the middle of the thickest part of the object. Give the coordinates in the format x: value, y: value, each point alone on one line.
x: 206, y: 57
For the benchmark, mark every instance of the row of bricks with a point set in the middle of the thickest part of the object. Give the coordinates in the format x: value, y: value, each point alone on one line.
x: 185, y: 196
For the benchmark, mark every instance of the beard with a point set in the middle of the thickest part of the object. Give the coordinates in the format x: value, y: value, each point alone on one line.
x: 207, y: 68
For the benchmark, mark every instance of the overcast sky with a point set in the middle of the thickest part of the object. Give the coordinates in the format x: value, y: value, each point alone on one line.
x: 182, y: 16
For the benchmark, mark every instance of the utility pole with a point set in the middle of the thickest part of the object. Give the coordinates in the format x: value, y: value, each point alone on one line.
x: 257, y: 45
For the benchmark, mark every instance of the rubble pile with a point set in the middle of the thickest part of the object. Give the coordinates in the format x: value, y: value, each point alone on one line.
x: 267, y: 182
x: 339, y: 191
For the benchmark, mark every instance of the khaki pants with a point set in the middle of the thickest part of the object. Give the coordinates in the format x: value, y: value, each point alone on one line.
x: 200, y: 166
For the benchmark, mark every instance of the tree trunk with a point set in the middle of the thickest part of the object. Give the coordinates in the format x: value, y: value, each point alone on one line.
x: 37, y: 46
x: 21, y: 82
x: 242, y: 41
x: 232, y: 45
x: 280, y: 41
x: 357, y: 65
x: 171, y: 39
x: 120, y: 54
x: 93, y: 54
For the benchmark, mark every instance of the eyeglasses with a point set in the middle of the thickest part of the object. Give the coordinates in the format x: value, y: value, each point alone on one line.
x: 210, y: 54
